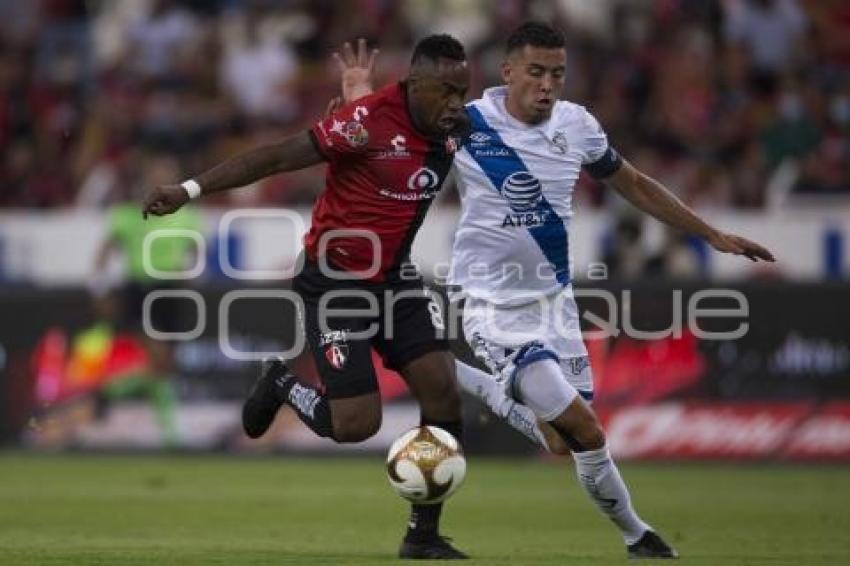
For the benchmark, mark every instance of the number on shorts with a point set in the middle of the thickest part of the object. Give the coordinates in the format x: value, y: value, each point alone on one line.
x: 436, y: 315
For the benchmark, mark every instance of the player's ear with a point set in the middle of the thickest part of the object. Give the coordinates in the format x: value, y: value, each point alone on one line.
x: 506, y: 71
x: 412, y: 81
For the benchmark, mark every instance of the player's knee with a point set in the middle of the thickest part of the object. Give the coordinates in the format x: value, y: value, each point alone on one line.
x: 580, y: 428
x: 595, y: 438
x: 355, y: 426
x: 554, y: 442
x: 352, y: 430
x: 353, y: 435
x: 590, y: 434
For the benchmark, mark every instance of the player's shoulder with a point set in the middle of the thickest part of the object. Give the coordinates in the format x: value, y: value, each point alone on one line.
x: 570, y: 114
x: 387, y: 98
x: 486, y: 108
x: 477, y: 104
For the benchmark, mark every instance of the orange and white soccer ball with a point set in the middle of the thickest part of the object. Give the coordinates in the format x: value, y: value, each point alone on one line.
x: 426, y: 465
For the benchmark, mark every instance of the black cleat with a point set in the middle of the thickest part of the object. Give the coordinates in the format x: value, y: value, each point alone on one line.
x: 651, y: 545
x: 437, y: 548
x: 265, y: 399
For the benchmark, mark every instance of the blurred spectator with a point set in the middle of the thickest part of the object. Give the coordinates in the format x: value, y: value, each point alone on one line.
x: 793, y: 132
x: 258, y: 70
x: 623, y: 251
x: 769, y: 30
x: 826, y: 170
x: 713, y: 97
x: 681, y: 257
x: 156, y: 42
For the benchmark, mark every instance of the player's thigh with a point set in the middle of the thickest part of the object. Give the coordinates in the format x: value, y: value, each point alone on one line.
x: 412, y: 325
x: 413, y: 342
x: 477, y: 333
x: 538, y: 383
x: 564, y: 337
x: 579, y: 374
x: 340, y: 346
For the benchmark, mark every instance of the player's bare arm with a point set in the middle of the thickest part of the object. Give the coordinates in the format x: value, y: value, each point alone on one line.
x: 652, y: 197
x: 293, y: 153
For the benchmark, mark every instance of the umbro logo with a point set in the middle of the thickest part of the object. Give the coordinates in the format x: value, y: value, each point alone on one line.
x: 479, y: 137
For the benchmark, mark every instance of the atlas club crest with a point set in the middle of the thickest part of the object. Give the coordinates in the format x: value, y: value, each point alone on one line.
x: 335, y: 347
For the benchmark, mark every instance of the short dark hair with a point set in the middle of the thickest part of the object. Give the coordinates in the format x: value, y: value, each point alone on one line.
x: 438, y: 46
x: 535, y: 34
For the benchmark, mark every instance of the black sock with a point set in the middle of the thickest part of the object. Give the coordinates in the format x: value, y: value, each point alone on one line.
x: 309, y: 404
x: 424, y: 523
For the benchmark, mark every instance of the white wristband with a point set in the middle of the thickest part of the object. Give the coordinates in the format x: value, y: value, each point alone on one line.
x: 193, y: 189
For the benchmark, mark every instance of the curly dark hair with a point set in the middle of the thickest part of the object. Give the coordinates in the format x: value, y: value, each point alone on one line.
x: 438, y: 46
x: 536, y: 34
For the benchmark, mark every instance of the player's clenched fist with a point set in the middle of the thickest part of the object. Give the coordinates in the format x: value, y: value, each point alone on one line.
x: 164, y: 199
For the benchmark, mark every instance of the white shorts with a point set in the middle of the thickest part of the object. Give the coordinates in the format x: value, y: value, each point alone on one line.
x: 500, y: 335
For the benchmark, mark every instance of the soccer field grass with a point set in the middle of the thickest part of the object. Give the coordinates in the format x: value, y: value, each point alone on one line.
x: 231, y: 510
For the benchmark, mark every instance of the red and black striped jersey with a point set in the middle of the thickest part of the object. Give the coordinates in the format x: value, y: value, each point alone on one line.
x: 382, y: 176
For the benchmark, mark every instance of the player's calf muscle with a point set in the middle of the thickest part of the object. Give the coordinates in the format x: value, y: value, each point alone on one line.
x: 554, y: 440
x: 442, y: 400
x: 578, y: 423
x: 432, y: 381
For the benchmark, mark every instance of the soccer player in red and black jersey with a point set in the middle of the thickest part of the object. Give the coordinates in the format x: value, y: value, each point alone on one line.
x: 388, y: 154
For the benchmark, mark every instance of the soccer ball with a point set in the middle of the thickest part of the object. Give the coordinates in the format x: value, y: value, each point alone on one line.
x: 426, y: 465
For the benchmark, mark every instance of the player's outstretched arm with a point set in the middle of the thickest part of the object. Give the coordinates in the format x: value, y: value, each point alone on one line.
x: 356, y: 70
x: 653, y: 198
x: 293, y: 153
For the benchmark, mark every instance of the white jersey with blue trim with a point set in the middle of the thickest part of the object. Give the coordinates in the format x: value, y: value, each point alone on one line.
x: 516, y: 182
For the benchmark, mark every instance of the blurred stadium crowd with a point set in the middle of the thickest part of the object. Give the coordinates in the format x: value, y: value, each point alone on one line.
x: 727, y: 101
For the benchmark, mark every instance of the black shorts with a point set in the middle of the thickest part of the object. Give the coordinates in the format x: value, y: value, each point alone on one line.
x: 402, y: 320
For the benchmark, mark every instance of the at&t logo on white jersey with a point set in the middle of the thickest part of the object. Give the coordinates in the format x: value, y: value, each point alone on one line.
x: 523, y: 191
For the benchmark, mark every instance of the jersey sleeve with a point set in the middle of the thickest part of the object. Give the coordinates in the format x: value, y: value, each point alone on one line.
x: 344, y: 132
x: 600, y: 159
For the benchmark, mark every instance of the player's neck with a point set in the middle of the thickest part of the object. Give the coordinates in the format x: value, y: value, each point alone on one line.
x: 417, y: 123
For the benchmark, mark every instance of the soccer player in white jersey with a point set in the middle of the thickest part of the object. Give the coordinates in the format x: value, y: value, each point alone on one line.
x: 510, y: 261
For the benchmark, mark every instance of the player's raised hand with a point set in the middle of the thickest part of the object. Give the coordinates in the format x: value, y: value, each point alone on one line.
x: 164, y: 199
x: 730, y: 243
x: 356, y: 69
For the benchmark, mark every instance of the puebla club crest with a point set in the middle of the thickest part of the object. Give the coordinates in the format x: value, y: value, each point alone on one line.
x: 559, y: 143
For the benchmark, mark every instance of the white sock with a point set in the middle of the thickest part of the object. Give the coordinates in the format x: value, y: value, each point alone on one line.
x: 600, y: 478
x: 484, y: 386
